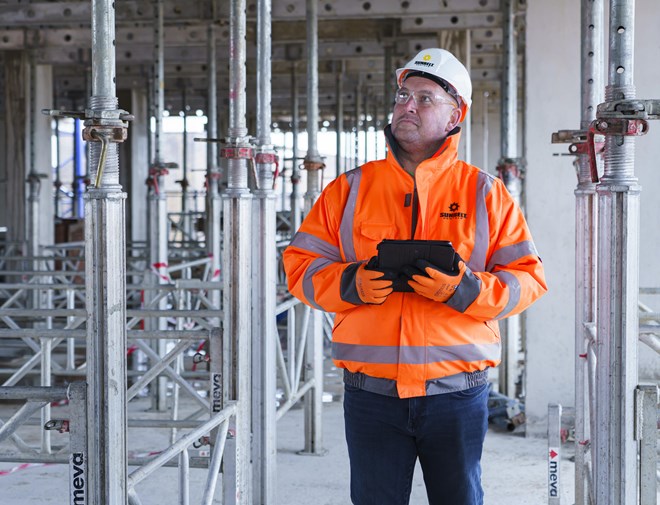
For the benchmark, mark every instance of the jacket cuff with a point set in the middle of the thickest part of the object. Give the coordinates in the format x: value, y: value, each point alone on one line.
x: 466, y: 292
x: 347, y: 290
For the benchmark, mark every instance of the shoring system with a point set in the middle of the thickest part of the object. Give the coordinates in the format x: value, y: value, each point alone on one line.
x: 616, y: 418
x: 195, y: 309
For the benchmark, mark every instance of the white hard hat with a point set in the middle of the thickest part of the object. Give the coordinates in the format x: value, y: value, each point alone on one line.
x: 440, y: 65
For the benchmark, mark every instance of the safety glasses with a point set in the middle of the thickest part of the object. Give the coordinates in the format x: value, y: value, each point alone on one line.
x: 421, y: 98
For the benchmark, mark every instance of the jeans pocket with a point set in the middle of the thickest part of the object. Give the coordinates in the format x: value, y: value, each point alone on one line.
x: 471, y: 392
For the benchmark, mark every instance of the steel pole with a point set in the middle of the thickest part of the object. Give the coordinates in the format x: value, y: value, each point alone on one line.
x: 314, y: 166
x: 615, y: 465
x: 236, y: 253
x: 358, y: 107
x: 467, y: 123
x: 213, y: 200
x: 388, y: 89
x: 264, y: 278
x: 586, y: 219
x: 365, y: 124
x: 158, y: 236
x: 486, y: 94
x: 296, y: 216
x: 510, y: 173
x: 186, y: 203
x: 339, y: 119
x: 105, y: 282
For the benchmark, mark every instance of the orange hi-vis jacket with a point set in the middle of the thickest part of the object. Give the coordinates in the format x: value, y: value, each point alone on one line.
x: 410, y: 345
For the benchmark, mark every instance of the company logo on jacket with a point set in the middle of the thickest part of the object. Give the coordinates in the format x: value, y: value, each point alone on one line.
x: 453, y: 212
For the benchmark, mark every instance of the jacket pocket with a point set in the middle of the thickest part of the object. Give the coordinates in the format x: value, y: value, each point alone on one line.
x: 371, y: 234
x: 376, y: 231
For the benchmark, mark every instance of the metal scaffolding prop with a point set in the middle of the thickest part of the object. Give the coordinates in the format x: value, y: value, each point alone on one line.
x: 314, y: 165
x: 157, y: 205
x: 616, y: 418
x: 264, y: 269
x: 509, y: 169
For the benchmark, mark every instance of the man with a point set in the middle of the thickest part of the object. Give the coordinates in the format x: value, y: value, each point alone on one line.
x: 416, y: 363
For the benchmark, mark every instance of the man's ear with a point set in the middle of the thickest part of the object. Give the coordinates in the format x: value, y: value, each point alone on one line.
x: 453, y: 120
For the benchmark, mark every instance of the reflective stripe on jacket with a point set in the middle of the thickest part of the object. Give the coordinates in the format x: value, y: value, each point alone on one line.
x: 410, y: 339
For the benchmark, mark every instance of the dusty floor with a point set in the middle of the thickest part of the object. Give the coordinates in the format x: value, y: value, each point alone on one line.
x: 514, y: 471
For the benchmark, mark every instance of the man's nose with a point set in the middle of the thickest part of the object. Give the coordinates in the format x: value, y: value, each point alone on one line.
x: 411, y: 104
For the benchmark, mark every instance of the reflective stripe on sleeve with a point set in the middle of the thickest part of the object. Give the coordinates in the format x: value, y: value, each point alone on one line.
x: 414, y: 355
x: 514, y: 292
x: 511, y: 253
x: 308, y: 284
x: 311, y: 243
x: 477, y: 261
x: 348, y: 218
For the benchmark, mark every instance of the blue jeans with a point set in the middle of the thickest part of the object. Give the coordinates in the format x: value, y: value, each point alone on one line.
x: 386, y: 435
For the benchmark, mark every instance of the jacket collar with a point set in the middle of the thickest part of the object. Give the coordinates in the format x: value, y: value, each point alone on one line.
x: 448, y: 151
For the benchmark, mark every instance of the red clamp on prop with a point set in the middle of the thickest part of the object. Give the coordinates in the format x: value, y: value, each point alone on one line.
x: 154, y: 173
x: 237, y: 152
x: 265, y: 158
x: 612, y: 126
x: 313, y: 165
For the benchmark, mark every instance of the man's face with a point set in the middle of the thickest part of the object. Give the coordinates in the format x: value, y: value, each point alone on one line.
x: 417, y: 124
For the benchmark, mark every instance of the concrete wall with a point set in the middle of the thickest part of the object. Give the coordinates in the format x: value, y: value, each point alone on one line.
x: 553, y: 103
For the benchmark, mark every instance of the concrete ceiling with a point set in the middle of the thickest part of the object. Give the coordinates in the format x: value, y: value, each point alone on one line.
x: 353, y: 35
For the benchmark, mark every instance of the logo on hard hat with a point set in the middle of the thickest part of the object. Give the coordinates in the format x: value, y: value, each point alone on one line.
x: 426, y: 57
x: 424, y: 63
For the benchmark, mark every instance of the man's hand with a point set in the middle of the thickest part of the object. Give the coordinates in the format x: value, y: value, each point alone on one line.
x: 434, y: 282
x: 371, y: 285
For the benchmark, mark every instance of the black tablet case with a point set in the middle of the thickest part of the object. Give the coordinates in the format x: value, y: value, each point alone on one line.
x: 395, y: 254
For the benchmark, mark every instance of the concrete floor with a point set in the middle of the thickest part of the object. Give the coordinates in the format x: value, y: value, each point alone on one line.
x: 514, y: 470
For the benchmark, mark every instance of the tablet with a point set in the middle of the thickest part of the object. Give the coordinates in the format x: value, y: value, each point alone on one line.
x: 395, y: 254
